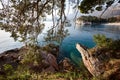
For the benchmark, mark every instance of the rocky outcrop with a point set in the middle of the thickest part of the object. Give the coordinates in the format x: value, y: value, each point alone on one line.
x: 50, y: 60
x: 101, y: 61
x: 10, y: 57
x: 65, y: 65
x: 93, y: 64
x: 14, y: 57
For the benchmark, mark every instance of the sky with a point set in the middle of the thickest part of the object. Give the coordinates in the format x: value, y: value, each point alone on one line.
x: 0, y: 5
x: 69, y: 11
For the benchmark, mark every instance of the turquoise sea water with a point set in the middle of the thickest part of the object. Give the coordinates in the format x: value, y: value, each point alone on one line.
x: 78, y: 34
x: 84, y: 35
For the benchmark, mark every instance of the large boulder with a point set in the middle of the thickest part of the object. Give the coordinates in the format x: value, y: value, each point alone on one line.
x: 51, y: 60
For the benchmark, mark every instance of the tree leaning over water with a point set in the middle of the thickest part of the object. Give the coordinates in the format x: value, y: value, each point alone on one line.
x: 24, y: 18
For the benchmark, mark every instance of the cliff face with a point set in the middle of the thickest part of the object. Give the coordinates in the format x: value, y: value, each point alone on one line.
x: 99, y: 63
x: 92, y: 64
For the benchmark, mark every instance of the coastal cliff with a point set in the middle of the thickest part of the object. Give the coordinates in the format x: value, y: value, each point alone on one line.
x: 100, y: 62
x: 92, y: 64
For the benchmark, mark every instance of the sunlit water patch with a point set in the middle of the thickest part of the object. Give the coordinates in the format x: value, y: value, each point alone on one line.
x: 78, y: 34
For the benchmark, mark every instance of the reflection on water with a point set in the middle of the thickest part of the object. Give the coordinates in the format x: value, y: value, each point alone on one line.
x: 84, y: 35
x: 7, y: 43
x: 78, y: 34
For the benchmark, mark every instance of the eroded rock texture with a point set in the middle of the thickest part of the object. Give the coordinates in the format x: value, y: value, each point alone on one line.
x: 93, y: 64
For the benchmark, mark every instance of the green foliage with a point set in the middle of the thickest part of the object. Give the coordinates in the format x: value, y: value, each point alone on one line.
x: 102, y: 41
x: 88, y: 6
x: 8, y: 69
x: 60, y: 76
x: 85, y: 74
x: 115, y: 45
x: 92, y: 19
x: 108, y: 43
x: 114, y: 19
x: 97, y: 78
x: 24, y: 19
x: 95, y: 19
x: 99, y: 8
x: 21, y: 73
x: 33, y: 56
x: 18, y: 77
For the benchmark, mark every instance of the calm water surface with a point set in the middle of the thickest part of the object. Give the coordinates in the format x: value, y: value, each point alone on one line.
x: 84, y: 35
x: 78, y: 34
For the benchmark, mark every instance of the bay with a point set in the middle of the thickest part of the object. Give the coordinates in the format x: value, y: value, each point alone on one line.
x: 78, y: 34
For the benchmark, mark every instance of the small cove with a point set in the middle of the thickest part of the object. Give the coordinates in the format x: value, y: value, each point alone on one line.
x: 78, y: 34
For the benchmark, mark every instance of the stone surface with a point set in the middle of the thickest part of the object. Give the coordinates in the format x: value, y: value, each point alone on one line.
x: 49, y: 69
x: 65, y: 65
x: 50, y: 59
x: 101, y: 61
x: 93, y: 64
x: 9, y: 57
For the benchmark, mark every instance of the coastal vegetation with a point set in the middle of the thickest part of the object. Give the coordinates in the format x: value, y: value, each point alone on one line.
x: 24, y: 19
x: 98, y: 20
x: 103, y: 59
x: 32, y: 65
x: 92, y: 19
x: 102, y: 41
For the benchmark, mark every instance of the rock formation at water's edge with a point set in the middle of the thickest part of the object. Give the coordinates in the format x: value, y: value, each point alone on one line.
x: 100, y: 62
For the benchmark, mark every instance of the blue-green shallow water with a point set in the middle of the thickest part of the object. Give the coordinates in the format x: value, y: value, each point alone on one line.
x: 84, y: 35
x: 78, y: 34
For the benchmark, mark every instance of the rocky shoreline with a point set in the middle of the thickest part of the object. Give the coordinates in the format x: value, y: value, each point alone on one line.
x: 100, y: 62
x: 113, y: 24
x: 11, y: 57
x: 49, y: 60
x: 97, y: 63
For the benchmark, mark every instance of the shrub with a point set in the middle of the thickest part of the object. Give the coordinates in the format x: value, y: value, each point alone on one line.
x: 8, y: 69
x: 102, y: 41
x: 108, y: 43
x: 33, y: 56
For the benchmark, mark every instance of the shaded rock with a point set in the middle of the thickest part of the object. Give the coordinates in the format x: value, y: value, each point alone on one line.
x: 51, y: 48
x: 2, y: 73
x: 66, y: 65
x: 10, y: 57
x: 48, y: 63
x: 39, y: 68
x: 50, y: 59
x: 49, y: 69
x: 115, y: 75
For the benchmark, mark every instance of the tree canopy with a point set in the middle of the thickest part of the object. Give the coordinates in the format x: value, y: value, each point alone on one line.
x: 24, y: 18
x: 89, y: 6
